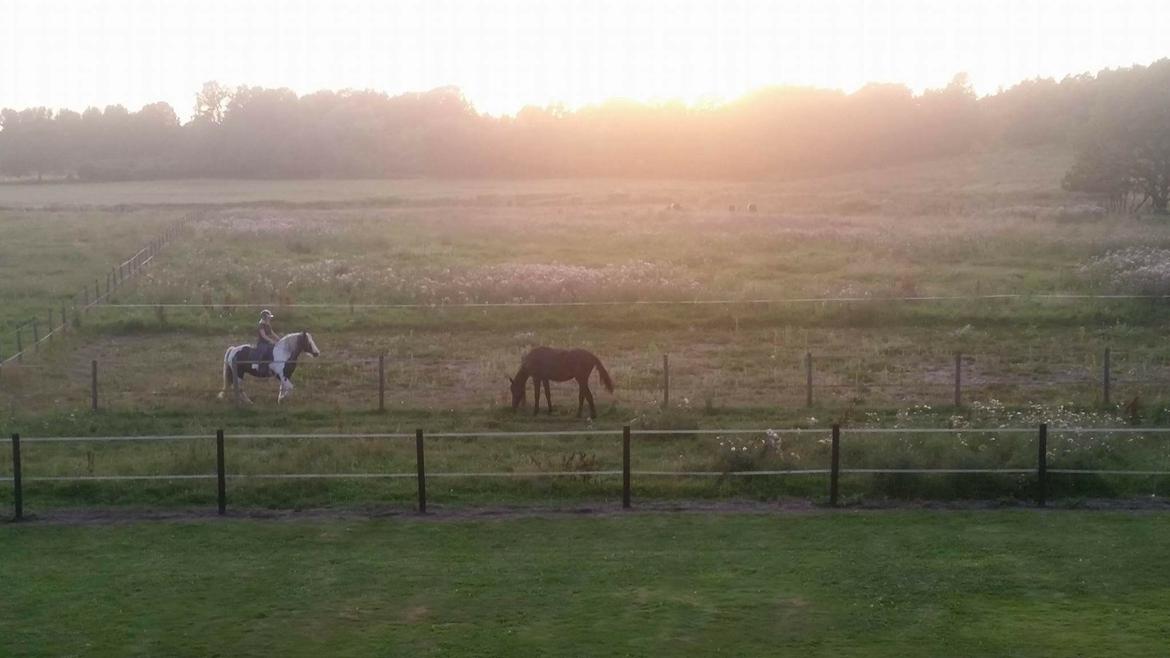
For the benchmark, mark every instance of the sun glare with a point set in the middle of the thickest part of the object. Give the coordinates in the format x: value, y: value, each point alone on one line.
x: 505, y: 54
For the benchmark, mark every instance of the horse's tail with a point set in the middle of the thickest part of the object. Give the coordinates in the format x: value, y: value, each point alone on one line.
x: 605, y: 380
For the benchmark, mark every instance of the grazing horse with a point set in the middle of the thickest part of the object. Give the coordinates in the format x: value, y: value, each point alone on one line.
x: 545, y: 364
x: 241, y: 360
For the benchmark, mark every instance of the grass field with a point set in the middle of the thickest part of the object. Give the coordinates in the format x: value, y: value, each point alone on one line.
x: 797, y: 579
x: 1018, y: 583
x: 982, y: 224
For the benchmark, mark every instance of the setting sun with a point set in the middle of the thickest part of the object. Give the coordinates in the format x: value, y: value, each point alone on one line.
x: 505, y: 54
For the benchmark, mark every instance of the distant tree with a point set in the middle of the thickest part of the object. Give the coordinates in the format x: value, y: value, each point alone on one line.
x: 1124, y: 155
x: 211, y: 102
x: 1104, y: 172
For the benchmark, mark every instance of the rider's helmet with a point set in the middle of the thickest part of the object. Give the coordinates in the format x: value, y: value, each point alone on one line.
x: 266, y: 315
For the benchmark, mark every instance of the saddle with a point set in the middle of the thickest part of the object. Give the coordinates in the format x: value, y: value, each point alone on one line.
x: 262, y: 354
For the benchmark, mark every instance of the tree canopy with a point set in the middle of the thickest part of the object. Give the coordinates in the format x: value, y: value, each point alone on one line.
x: 778, y: 131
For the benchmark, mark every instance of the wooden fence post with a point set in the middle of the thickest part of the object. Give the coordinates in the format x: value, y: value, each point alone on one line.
x: 1105, y: 377
x: 382, y: 382
x: 220, y: 473
x: 17, y: 484
x: 665, y: 381
x: 93, y: 386
x: 835, y: 465
x: 808, y: 374
x: 422, y: 472
x: 626, y: 467
x: 1042, y: 466
x: 64, y: 319
x: 19, y: 349
x: 958, y: 379
x: 36, y: 337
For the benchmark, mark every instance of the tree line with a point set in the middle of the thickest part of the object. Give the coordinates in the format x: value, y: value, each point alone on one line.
x: 1117, y: 118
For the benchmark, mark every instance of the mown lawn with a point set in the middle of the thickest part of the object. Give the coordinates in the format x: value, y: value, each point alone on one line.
x: 864, y: 583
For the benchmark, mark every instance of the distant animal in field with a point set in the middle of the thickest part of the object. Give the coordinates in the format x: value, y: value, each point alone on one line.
x: 675, y: 206
x: 752, y: 207
x: 731, y: 208
x: 545, y: 364
x: 242, y: 360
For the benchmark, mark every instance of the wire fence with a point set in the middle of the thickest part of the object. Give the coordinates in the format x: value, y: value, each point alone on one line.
x: 834, y: 467
x: 768, y: 301
x: 58, y: 319
x: 790, y: 380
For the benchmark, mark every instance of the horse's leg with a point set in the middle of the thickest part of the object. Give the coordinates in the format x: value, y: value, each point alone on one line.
x: 589, y: 397
x: 243, y: 396
x: 580, y: 397
x: 536, y: 401
x: 547, y: 397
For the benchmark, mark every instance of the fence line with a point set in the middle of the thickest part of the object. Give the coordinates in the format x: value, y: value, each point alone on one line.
x: 834, y: 469
x: 658, y: 381
x: 653, y: 302
x: 81, y: 302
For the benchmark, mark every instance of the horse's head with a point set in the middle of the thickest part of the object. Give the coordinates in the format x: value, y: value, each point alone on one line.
x: 307, y: 345
x: 519, y: 391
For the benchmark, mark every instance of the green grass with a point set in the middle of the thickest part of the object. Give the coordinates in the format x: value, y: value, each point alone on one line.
x: 48, y: 256
x: 979, y: 224
x: 911, y: 583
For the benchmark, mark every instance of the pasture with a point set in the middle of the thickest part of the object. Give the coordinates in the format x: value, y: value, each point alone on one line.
x: 400, y: 268
x: 1021, y: 583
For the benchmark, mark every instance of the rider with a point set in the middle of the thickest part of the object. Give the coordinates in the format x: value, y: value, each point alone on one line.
x: 266, y: 339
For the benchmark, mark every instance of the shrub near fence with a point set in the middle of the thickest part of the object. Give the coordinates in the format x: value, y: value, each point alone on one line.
x: 1036, y: 477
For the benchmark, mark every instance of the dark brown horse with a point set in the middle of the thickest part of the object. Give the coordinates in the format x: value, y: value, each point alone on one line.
x: 545, y: 364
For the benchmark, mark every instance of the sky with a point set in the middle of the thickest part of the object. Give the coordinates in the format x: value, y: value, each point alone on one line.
x: 505, y: 54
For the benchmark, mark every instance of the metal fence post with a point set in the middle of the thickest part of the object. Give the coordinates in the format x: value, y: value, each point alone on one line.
x: 808, y: 374
x: 958, y: 379
x: 93, y: 386
x: 665, y: 381
x: 382, y: 382
x: 835, y: 465
x: 17, y: 484
x: 422, y: 472
x: 626, y: 467
x: 1042, y: 467
x: 1105, y: 377
x: 220, y: 473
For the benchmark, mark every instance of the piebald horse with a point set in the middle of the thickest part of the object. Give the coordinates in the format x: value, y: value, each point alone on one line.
x: 545, y: 364
x: 241, y: 360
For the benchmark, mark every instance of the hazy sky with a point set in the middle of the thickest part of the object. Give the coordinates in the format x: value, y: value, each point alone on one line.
x: 508, y: 53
